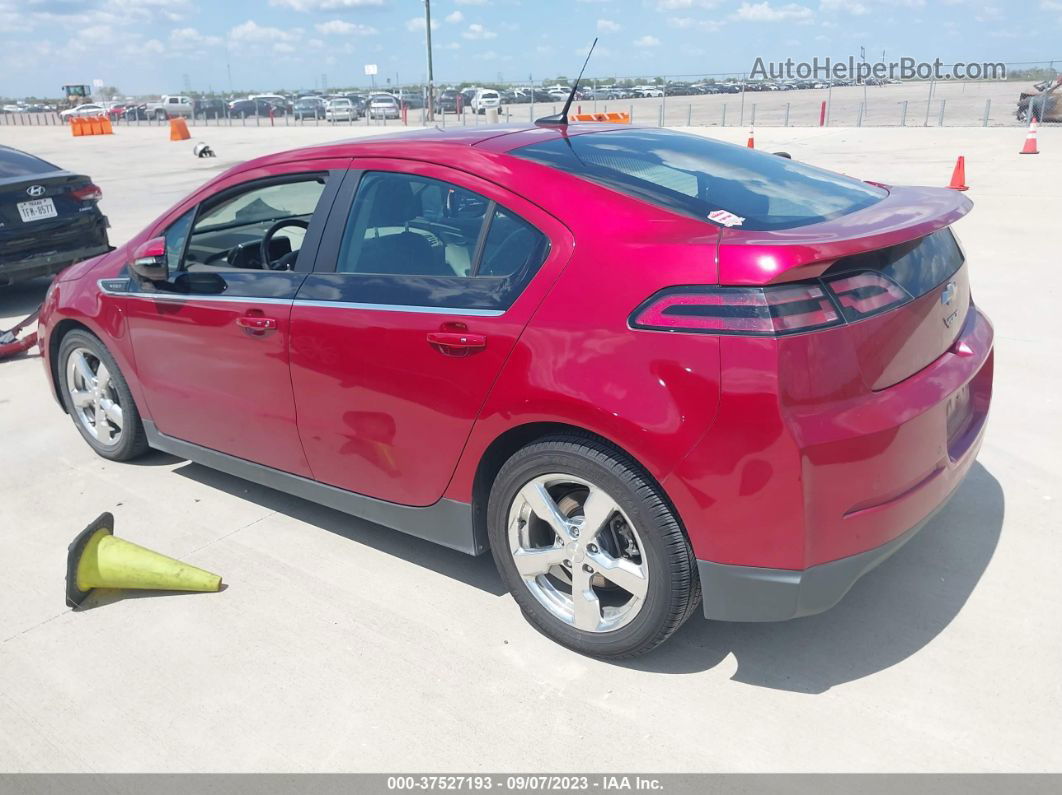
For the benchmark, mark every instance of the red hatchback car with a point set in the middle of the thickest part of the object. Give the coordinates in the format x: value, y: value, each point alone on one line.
x: 636, y: 365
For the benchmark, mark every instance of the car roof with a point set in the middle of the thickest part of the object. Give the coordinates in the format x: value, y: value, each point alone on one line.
x: 450, y: 147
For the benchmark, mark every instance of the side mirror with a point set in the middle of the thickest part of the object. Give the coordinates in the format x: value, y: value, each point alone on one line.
x: 149, y: 261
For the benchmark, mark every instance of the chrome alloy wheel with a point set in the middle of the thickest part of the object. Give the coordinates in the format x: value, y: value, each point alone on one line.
x: 578, y: 553
x: 94, y: 396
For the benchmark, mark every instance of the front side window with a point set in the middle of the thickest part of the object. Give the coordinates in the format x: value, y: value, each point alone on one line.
x: 697, y: 177
x: 229, y: 233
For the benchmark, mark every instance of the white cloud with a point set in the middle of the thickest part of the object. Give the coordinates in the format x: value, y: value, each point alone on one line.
x: 152, y: 47
x: 647, y: 41
x: 283, y: 48
x: 855, y: 7
x: 696, y: 23
x: 478, y: 32
x: 252, y: 31
x: 680, y: 5
x: 338, y: 27
x: 417, y: 23
x: 1051, y: 5
x: 456, y: 16
x: 765, y: 12
x: 607, y: 26
x: 326, y: 5
x: 190, y: 38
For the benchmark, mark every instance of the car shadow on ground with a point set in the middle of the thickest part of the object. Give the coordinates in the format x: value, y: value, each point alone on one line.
x: 479, y: 572
x: 890, y: 614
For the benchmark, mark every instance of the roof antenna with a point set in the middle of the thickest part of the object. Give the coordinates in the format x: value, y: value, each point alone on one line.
x: 561, y: 119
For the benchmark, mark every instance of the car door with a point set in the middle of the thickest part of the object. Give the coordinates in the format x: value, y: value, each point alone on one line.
x: 424, y: 281
x: 211, y: 348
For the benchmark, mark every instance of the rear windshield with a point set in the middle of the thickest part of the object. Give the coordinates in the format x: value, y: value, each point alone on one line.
x: 14, y: 163
x: 707, y: 179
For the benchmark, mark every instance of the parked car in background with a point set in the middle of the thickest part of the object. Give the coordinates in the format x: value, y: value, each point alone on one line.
x: 136, y: 113
x: 383, y: 106
x: 412, y: 100
x: 341, y: 109
x: 172, y: 106
x: 447, y: 101
x: 281, y: 105
x: 250, y: 108
x: 88, y: 109
x: 49, y: 217
x: 1044, y: 100
x: 210, y: 109
x: 308, y: 108
x: 485, y: 99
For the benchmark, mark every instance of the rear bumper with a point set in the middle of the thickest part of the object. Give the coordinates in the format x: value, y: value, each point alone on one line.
x: 750, y: 593
x: 46, y: 263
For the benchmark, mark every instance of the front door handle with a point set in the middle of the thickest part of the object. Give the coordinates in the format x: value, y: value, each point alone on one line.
x: 257, y: 323
x: 456, y: 343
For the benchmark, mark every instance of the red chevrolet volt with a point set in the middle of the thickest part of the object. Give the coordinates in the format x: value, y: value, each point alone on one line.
x: 648, y: 371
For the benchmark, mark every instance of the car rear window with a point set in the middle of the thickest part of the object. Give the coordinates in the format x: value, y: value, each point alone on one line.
x: 14, y: 163
x: 701, y: 177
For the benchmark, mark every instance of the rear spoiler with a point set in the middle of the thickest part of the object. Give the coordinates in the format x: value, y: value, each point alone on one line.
x: 750, y: 257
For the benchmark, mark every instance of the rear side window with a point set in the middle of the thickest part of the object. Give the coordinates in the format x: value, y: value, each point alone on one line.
x: 416, y: 241
x: 14, y: 163
x: 698, y: 176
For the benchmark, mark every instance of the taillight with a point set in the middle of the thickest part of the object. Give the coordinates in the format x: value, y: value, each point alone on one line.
x: 866, y: 293
x: 87, y: 193
x: 758, y: 311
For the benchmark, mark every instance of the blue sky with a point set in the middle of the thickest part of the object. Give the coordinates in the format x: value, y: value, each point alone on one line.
x: 145, y: 46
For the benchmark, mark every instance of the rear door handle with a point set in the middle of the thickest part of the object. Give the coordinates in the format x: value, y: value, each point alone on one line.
x: 256, y: 323
x: 456, y: 343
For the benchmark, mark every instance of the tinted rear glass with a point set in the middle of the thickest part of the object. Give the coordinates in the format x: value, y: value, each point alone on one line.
x: 697, y: 176
x: 14, y: 163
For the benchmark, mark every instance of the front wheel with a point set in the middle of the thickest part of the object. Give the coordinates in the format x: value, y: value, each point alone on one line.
x: 98, y: 399
x: 589, y: 548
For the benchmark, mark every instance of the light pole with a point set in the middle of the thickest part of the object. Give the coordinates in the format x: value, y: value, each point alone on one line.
x: 431, y: 78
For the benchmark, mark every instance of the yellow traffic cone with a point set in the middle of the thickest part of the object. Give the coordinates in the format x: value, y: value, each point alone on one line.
x: 96, y: 559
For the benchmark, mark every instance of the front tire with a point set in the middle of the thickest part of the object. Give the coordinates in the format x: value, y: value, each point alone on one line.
x: 98, y: 399
x: 590, y: 549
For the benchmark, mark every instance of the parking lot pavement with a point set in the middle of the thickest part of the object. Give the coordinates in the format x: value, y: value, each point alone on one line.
x: 339, y: 645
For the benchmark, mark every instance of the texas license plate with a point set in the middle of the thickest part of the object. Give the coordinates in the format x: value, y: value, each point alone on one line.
x: 36, y: 210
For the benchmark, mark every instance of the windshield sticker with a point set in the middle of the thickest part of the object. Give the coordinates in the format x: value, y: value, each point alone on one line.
x: 725, y: 218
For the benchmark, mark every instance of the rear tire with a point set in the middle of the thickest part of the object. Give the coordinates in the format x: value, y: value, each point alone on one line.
x: 611, y: 574
x: 97, y: 398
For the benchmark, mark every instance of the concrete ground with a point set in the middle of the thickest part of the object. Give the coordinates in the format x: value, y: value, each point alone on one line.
x: 341, y: 646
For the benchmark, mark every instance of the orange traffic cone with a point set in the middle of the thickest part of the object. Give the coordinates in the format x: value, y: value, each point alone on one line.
x: 751, y: 143
x: 958, y: 176
x: 1030, y: 140
x: 179, y: 130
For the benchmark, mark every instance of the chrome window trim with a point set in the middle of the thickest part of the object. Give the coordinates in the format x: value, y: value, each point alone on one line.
x: 431, y: 310
x: 181, y: 297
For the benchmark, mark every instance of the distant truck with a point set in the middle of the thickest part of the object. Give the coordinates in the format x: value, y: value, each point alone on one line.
x: 171, y: 106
